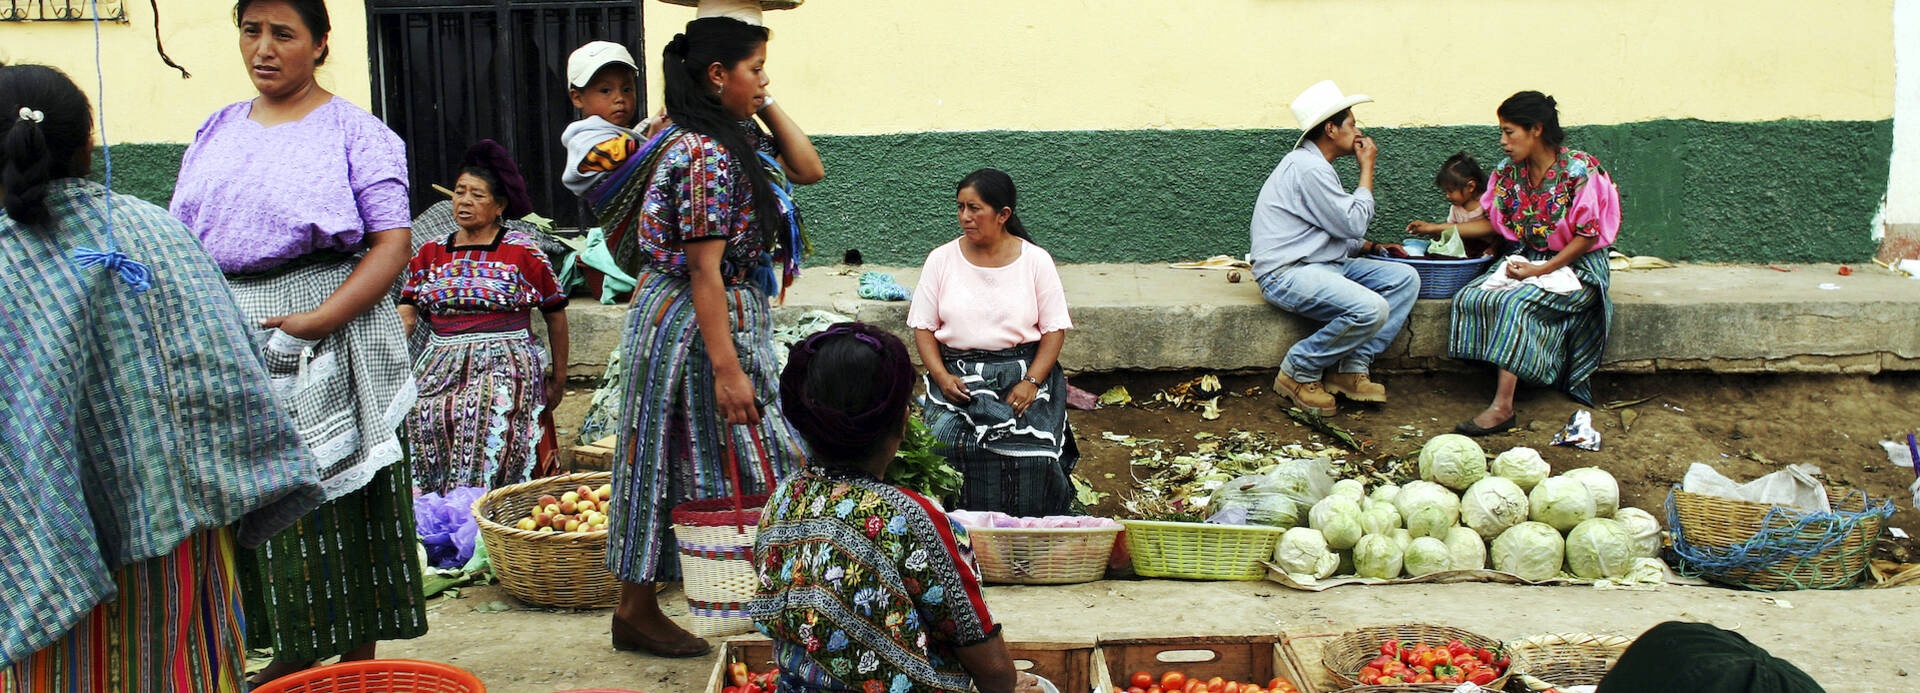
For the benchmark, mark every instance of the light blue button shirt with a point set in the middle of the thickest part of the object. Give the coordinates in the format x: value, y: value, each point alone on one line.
x: 1304, y: 216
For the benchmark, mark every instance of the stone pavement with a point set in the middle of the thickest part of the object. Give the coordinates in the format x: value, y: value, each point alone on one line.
x: 1713, y: 318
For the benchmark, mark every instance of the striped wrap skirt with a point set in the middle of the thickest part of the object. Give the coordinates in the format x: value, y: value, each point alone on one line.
x: 1543, y: 337
x: 478, y: 418
x: 173, y: 625
x: 674, y: 446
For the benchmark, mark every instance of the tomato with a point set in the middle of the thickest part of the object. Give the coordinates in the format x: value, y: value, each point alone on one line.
x: 730, y: 689
x: 1142, y: 679
x: 1193, y: 686
x: 1229, y: 687
x: 1136, y: 689
x: 1286, y: 687
x: 1274, y: 684
x: 1482, y: 677
x: 1155, y: 688
x: 1216, y: 685
x: 1173, y: 681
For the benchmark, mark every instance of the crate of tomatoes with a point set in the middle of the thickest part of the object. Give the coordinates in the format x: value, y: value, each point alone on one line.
x: 1208, y: 664
x: 746, y: 664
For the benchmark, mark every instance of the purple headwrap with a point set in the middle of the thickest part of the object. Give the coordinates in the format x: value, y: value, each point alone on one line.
x: 841, y: 435
x: 489, y: 155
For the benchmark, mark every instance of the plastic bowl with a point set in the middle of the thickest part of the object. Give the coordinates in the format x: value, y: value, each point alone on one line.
x: 1416, y: 247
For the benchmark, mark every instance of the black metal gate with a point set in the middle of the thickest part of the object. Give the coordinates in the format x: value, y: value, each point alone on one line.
x: 448, y: 73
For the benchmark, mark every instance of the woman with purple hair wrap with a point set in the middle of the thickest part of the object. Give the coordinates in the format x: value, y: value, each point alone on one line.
x: 875, y: 572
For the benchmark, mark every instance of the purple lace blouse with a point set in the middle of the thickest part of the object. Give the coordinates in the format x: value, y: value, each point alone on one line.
x: 260, y: 196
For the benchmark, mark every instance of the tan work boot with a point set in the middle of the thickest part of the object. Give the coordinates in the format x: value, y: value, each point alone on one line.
x: 1308, y: 396
x: 1356, y: 386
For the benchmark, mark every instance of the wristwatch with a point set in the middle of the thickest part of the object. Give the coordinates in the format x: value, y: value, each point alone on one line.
x: 1030, y: 379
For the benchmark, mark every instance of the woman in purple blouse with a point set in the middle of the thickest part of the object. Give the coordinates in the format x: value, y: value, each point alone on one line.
x: 301, y: 198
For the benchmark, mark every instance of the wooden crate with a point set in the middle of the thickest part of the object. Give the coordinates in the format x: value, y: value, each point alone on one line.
x: 1067, y: 664
x: 594, y: 457
x: 1240, y: 658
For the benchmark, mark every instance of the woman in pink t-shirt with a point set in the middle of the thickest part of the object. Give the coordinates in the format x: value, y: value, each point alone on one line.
x: 989, y: 318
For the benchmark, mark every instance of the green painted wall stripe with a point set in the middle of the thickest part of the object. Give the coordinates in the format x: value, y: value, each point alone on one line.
x: 1779, y: 191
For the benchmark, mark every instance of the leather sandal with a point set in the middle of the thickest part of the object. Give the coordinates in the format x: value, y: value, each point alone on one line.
x: 627, y: 638
x: 1473, y: 430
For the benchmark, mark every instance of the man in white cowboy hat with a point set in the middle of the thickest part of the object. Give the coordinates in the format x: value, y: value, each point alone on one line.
x: 1309, y: 243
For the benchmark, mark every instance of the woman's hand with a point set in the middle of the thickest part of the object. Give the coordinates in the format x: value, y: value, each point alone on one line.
x: 1425, y: 228
x: 733, y: 391
x: 1022, y: 396
x: 950, y: 387
x: 1523, y: 270
x: 556, y: 387
x: 1027, y: 683
x: 309, y: 325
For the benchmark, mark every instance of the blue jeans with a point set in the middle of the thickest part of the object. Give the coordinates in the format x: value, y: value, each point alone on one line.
x: 1363, y: 301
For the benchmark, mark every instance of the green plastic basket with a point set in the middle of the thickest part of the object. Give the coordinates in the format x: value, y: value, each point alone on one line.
x: 1200, y: 551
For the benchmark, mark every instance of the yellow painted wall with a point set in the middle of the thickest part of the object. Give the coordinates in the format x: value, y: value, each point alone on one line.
x: 875, y: 66
x: 148, y: 101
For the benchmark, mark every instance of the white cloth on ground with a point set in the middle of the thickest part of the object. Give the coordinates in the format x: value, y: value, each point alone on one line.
x: 1560, y: 281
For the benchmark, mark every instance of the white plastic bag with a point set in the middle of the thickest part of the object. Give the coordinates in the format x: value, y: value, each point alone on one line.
x: 1796, y: 487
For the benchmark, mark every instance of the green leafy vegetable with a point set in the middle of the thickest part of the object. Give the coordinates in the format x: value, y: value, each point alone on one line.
x: 918, y: 468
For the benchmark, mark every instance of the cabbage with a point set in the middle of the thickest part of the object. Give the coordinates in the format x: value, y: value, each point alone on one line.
x: 1259, y: 499
x: 1378, y: 517
x: 1522, y: 465
x: 1600, y: 548
x: 1531, y: 550
x: 1606, y: 491
x: 1338, y: 518
x: 1304, y: 551
x: 1401, y: 538
x: 1469, y: 551
x: 1427, y: 509
x: 1427, y: 555
x: 1642, y: 525
x: 1351, y: 488
x: 1377, y: 556
x: 1562, y: 502
x: 1453, y: 461
x: 1493, y: 504
x: 1384, y: 493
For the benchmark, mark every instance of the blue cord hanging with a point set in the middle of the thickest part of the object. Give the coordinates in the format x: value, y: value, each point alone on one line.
x: 135, y: 274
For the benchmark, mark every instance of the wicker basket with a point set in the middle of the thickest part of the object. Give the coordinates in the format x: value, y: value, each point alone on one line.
x: 1043, y: 556
x: 1443, y: 278
x: 1767, y: 547
x: 715, y: 537
x: 560, y: 569
x: 1353, y: 649
x: 1200, y: 551
x: 1567, y: 659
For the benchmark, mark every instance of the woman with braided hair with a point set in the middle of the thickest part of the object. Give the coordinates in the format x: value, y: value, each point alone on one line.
x: 866, y: 586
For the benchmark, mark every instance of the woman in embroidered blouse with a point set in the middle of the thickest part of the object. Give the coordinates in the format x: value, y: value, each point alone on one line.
x: 1564, y: 211
x: 483, y: 378
x: 866, y: 586
x: 716, y: 236
x: 301, y: 198
x: 989, y: 318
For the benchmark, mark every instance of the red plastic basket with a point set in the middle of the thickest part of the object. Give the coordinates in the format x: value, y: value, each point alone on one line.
x: 378, y: 676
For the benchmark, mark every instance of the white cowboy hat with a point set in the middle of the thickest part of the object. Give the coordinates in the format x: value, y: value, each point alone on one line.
x: 1318, y: 103
x: 744, y: 10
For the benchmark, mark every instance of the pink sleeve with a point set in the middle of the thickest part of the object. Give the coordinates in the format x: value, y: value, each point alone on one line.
x: 1596, y: 210
x: 1489, y: 203
x: 1050, y: 295
x: 924, y: 313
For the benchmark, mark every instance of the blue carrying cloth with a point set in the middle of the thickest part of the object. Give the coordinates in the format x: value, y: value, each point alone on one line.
x: 880, y: 286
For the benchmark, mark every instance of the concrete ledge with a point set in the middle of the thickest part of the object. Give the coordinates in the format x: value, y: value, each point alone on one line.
x: 1714, y: 318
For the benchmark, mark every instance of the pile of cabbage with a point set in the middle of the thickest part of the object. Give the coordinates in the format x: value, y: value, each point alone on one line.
x: 1467, y: 512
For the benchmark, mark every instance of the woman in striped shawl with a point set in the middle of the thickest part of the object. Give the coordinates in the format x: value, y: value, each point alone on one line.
x: 1563, y: 210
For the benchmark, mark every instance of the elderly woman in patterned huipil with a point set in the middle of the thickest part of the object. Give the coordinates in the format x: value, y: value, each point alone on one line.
x: 484, y: 379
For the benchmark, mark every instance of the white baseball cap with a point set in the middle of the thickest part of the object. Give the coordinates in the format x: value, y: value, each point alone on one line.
x: 589, y: 58
x: 1318, y: 103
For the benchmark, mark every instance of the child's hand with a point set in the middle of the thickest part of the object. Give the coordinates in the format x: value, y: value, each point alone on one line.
x: 1424, y: 228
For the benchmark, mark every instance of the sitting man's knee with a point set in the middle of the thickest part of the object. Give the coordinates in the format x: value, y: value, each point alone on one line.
x: 1370, y: 312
